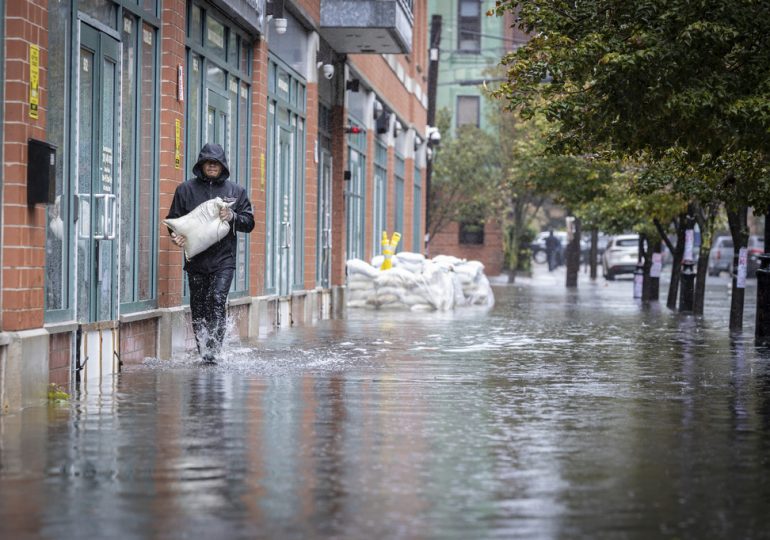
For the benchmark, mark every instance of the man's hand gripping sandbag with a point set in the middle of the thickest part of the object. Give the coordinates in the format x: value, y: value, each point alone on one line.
x: 202, y: 228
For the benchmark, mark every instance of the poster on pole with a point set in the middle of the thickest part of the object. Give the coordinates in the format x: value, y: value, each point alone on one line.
x: 689, y: 242
x: 740, y: 276
x: 657, y: 265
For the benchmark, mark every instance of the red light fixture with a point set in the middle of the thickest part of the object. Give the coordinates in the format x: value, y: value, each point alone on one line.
x: 354, y: 129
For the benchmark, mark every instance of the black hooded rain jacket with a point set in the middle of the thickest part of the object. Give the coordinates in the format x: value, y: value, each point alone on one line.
x: 200, y: 189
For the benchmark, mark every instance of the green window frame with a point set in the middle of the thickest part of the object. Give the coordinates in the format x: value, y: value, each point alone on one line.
x: 380, y: 199
x: 417, y: 235
x: 64, y: 19
x: 398, y: 203
x: 218, y: 74
x: 355, y: 194
x: 287, y: 103
x: 139, y: 161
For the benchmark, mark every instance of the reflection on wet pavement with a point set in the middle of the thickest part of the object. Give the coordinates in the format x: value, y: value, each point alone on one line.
x: 558, y: 414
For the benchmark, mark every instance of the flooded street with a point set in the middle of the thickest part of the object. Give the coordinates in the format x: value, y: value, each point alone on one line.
x: 557, y: 414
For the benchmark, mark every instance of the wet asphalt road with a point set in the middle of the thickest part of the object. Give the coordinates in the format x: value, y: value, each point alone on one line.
x: 557, y: 414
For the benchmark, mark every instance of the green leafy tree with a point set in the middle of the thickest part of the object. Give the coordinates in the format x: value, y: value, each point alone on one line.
x: 643, y: 79
x: 466, y: 168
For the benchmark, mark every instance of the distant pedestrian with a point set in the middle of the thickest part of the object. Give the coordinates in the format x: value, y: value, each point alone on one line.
x: 553, y: 251
x: 210, y: 273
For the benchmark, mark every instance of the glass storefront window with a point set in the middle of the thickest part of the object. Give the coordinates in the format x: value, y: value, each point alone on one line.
x: 245, y: 58
x: 215, y: 37
x: 232, y: 49
x: 218, y: 104
x: 194, y: 81
x: 128, y: 161
x: 138, y: 162
x: 57, y: 234
x: 215, y: 75
x: 146, y: 179
x: 196, y: 25
x: 104, y: 12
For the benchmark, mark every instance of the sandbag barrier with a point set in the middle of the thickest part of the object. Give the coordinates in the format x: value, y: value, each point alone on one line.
x: 418, y: 284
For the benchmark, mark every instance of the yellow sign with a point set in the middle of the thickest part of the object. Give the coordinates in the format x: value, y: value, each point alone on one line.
x: 178, y: 144
x: 262, y: 169
x: 34, y: 80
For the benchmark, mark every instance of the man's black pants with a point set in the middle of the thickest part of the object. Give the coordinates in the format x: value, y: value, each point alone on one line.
x: 208, y: 304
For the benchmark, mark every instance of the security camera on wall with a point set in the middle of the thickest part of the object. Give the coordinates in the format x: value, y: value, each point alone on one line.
x: 328, y: 71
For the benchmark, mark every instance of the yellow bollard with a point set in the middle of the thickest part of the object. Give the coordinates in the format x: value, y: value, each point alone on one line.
x: 388, y: 249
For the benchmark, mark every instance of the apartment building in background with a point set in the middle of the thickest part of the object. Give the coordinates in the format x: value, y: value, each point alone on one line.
x: 319, y: 104
x: 471, y: 47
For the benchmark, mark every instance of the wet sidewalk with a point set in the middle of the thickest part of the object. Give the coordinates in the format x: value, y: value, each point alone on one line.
x: 557, y: 414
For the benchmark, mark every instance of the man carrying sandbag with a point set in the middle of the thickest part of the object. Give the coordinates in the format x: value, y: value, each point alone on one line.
x: 210, y: 272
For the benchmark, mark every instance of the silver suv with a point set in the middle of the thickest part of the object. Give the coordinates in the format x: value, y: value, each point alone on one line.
x: 620, y: 256
x: 721, y: 256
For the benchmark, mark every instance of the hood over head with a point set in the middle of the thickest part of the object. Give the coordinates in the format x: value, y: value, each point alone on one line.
x: 212, y: 152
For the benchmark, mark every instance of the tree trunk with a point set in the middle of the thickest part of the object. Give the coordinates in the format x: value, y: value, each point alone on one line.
x: 677, y: 254
x: 594, y: 252
x: 706, y: 222
x: 737, y: 219
x: 656, y: 247
x: 573, y: 256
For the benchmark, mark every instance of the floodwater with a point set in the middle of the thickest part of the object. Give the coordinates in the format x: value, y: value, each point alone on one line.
x: 557, y: 414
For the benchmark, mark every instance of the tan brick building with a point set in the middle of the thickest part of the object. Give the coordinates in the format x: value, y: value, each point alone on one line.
x: 106, y: 104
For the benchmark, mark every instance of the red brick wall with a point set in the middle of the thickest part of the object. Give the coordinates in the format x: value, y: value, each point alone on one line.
x: 259, y: 174
x: 311, y: 186
x: 138, y: 340
x: 173, y: 55
x: 311, y: 8
x: 59, y: 353
x: 446, y: 242
x: 23, y: 256
x: 340, y: 160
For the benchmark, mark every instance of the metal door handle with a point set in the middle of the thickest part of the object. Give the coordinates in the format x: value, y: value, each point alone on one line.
x: 110, y: 215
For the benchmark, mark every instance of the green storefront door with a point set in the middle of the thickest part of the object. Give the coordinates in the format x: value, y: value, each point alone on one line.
x: 99, y: 81
x: 325, y: 218
x: 284, y: 197
x: 96, y: 188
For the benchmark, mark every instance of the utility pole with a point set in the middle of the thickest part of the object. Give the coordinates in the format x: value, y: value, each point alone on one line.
x: 433, y: 51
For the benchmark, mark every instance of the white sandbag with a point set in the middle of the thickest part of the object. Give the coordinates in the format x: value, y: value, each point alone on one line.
x: 202, y: 228
x: 360, y: 285
x: 395, y: 277
x: 470, y: 270
x: 409, y: 257
x: 447, y: 261
x: 398, y: 292
x: 422, y: 307
x: 414, y: 268
x: 409, y: 261
x: 377, y: 261
x: 357, y: 266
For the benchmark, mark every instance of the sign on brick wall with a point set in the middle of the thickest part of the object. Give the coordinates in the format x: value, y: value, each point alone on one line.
x: 34, y: 80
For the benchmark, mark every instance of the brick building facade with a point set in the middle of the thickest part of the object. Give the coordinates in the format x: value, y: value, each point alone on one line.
x: 126, y: 93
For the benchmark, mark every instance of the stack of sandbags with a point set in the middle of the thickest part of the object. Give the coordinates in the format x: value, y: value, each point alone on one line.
x: 409, y: 261
x: 360, y: 287
x: 470, y: 277
x: 475, y: 284
x: 417, y: 283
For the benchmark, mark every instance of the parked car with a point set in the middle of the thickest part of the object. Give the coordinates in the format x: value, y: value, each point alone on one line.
x: 756, y: 246
x: 620, y: 256
x: 721, y: 256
